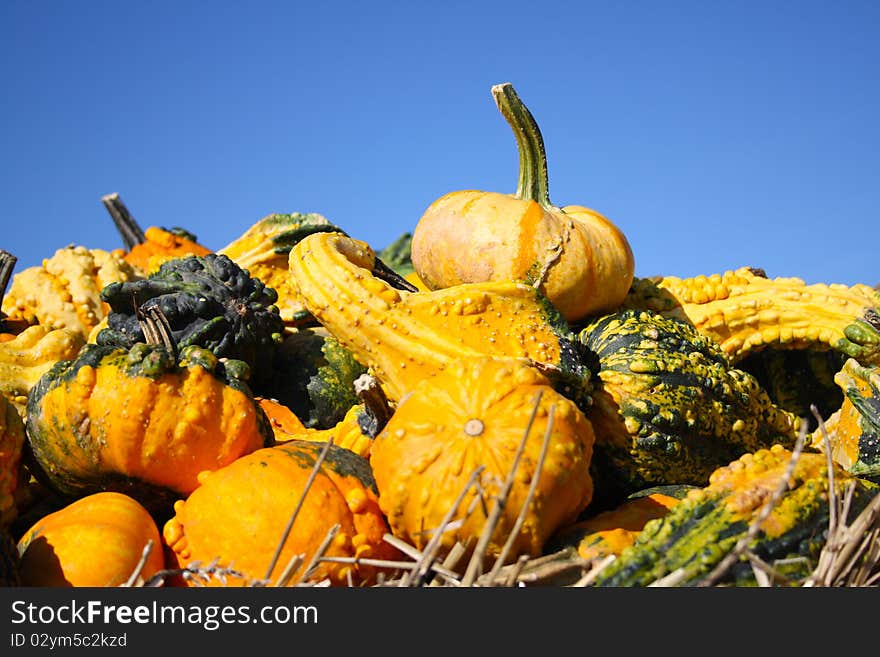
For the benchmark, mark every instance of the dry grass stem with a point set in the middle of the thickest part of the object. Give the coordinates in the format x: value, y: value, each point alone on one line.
x: 316, y: 557
x: 312, y: 475
x: 293, y: 563
x: 139, y: 568
x: 417, y: 575
x: 524, y: 509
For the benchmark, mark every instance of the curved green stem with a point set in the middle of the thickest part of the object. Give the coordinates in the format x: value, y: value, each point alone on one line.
x: 533, y: 179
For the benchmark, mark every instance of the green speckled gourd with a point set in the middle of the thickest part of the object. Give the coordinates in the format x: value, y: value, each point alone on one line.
x: 314, y: 377
x: 209, y: 301
x: 703, y: 528
x: 854, y: 429
x: 668, y: 408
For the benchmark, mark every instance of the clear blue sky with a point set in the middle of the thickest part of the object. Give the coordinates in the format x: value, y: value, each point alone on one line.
x: 715, y: 134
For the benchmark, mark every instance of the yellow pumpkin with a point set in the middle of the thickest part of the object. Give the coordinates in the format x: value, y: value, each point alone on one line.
x: 577, y: 257
x: 476, y: 413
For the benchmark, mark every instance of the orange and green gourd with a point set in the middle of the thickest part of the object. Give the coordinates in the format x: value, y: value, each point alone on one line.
x: 745, y: 311
x: 238, y: 515
x: 403, y: 337
x: 146, y: 250
x: 479, y: 413
x: 853, y: 431
x: 667, y: 405
x: 577, y: 257
x: 703, y: 528
x: 142, y: 421
x: 95, y: 541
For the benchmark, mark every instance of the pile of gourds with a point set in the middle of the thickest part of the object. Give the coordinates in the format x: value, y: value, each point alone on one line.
x: 496, y: 386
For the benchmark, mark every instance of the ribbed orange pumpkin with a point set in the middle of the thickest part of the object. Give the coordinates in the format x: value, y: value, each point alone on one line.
x: 238, y: 514
x: 577, y: 257
x: 475, y: 413
x: 97, y: 540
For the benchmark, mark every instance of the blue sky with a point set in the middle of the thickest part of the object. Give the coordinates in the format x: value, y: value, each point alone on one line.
x: 715, y: 134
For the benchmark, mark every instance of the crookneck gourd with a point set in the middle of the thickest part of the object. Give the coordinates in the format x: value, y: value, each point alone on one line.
x: 702, y: 529
x: 237, y: 518
x: 403, y: 337
x: 263, y: 250
x: 475, y: 418
x: 209, y: 301
x: 65, y: 290
x: 853, y: 430
x: 668, y: 407
x: 141, y: 421
x: 745, y: 311
x: 97, y: 540
x: 147, y: 250
x: 578, y: 258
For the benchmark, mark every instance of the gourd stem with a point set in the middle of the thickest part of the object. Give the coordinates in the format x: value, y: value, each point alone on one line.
x: 131, y: 232
x: 156, y: 328
x: 7, y: 264
x: 533, y: 177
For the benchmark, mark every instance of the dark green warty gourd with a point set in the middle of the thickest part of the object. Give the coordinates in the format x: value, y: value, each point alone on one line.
x: 209, y: 301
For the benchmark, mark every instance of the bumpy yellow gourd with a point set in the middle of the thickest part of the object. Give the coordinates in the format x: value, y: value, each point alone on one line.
x: 29, y: 355
x: 744, y: 311
x: 403, y: 336
x: 478, y: 413
x: 65, y: 290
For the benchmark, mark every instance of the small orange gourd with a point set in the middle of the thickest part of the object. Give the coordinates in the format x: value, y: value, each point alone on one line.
x: 238, y: 515
x: 577, y: 257
x: 98, y: 540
